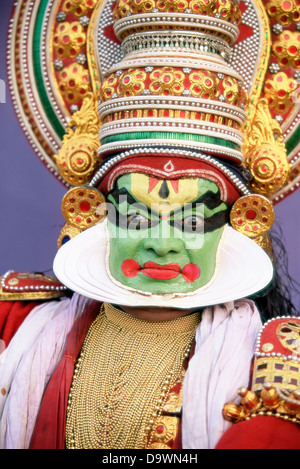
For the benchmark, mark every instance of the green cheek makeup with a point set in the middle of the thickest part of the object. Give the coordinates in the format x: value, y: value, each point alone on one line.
x: 160, y: 253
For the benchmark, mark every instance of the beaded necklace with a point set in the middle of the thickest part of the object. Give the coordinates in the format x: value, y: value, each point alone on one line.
x: 122, y: 378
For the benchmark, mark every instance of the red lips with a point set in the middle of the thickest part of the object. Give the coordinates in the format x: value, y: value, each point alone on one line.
x: 161, y: 272
x: 131, y: 268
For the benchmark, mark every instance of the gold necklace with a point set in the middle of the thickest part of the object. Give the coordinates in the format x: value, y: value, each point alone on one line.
x: 122, y: 378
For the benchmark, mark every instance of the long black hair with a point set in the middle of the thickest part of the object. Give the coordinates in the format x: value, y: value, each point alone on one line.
x: 277, y: 298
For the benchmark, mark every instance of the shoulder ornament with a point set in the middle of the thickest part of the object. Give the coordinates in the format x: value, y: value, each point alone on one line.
x: 275, y: 389
x: 15, y: 286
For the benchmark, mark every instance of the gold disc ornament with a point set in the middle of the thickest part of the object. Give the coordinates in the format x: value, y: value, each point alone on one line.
x: 252, y: 215
x: 67, y: 232
x: 83, y: 207
x: 269, y: 167
x: 78, y: 160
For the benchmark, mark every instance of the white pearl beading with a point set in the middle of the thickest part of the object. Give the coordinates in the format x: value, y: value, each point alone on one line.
x: 29, y: 287
x: 259, y: 354
x: 200, y: 22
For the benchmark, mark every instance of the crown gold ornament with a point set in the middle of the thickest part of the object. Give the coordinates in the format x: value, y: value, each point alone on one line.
x: 174, y: 87
x: 207, y: 77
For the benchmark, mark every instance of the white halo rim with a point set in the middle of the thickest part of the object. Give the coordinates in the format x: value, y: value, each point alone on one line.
x: 242, y: 269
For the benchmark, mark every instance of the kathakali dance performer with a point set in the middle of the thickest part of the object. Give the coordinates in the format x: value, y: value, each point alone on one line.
x: 173, y: 125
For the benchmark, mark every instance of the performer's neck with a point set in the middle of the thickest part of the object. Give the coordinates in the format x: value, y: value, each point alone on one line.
x: 155, y: 313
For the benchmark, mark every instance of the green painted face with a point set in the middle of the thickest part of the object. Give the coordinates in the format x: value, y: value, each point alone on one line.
x: 164, y: 235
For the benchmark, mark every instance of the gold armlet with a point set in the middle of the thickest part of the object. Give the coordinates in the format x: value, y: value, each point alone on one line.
x: 271, y: 401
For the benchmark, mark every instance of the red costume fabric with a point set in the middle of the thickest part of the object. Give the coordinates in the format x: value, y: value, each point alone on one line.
x: 49, y: 431
x: 12, y: 314
x: 262, y: 432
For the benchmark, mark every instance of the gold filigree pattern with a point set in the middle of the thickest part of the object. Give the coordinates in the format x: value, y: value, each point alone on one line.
x: 284, y: 12
x: 232, y: 90
x: 166, y: 428
x: 108, y: 87
x: 67, y: 232
x: 288, y: 334
x: 226, y: 9
x: 276, y: 370
x: 172, y: 5
x: 167, y: 81
x: 79, y: 7
x: 74, y: 83
x: 83, y: 207
x: 252, y: 215
x: 69, y: 39
x: 78, y: 157
x: 287, y: 49
x: 131, y: 83
x: 269, y: 167
x: 229, y: 11
x: 280, y: 92
x: 264, y: 242
x: 204, y: 85
x: 173, y: 81
x: 265, y: 153
x: 201, y: 7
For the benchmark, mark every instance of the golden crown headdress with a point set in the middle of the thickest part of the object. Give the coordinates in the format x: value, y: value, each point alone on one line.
x: 94, y: 80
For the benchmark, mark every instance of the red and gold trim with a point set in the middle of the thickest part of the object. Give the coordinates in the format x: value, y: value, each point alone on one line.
x: 227, y: 10
x: 165, y: 430
x: 16, y: 286
x: 173, y: 166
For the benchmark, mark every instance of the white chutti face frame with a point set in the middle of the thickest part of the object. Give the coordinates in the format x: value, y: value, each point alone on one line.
x: 242, y: 269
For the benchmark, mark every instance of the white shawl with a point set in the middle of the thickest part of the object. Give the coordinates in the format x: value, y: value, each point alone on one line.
x: 225, y: 344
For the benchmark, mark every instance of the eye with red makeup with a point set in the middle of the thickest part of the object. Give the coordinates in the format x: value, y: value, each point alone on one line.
x: 137, y: 221
x: 188, y: 224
